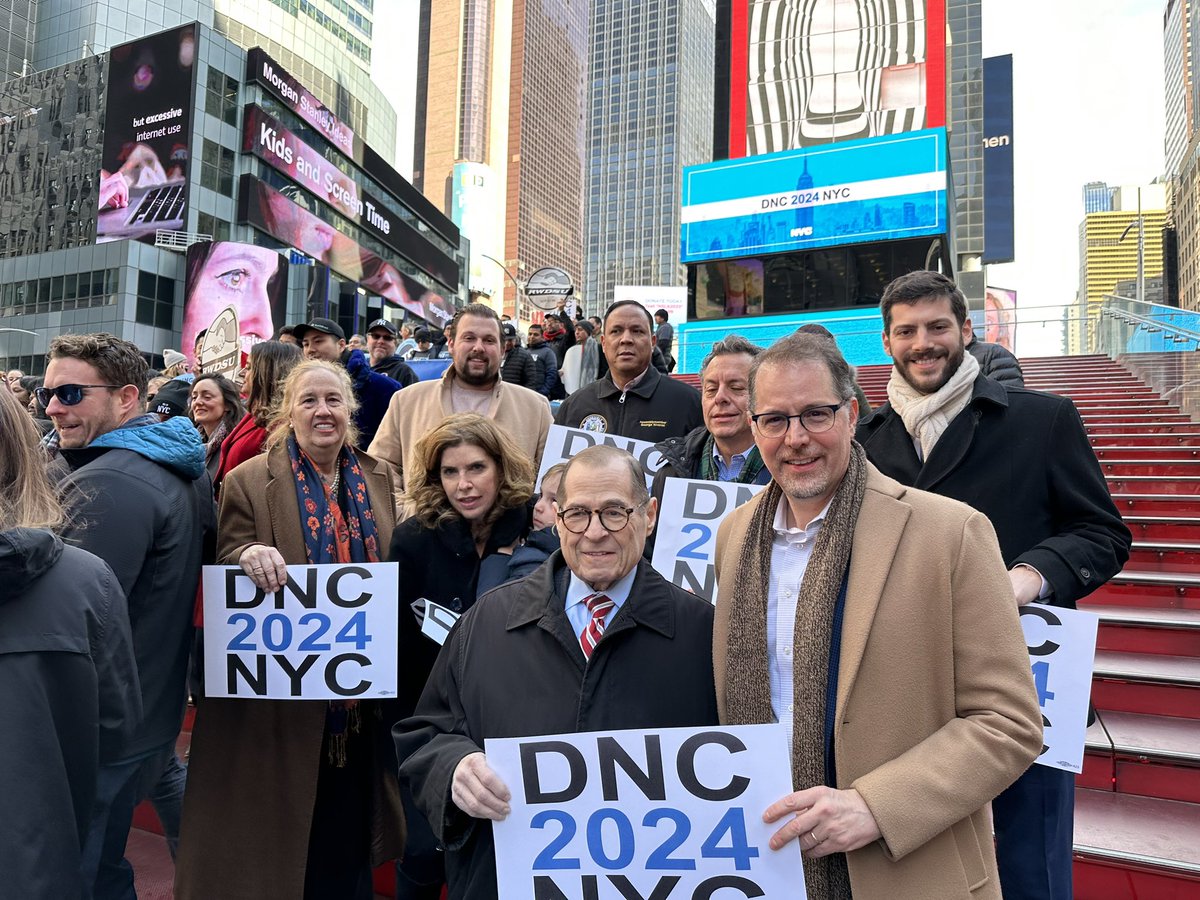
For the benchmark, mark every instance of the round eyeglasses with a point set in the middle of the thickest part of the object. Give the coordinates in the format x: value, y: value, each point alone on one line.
x: 577, y: 520
x: 814, y: 420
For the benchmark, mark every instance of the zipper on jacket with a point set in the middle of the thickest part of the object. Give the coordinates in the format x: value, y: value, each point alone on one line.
x: 622, y: 400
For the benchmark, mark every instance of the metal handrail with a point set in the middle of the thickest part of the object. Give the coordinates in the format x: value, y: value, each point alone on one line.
x: 1151, y: 325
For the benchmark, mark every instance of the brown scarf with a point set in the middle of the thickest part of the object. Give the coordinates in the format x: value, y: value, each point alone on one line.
x: 748, y: 684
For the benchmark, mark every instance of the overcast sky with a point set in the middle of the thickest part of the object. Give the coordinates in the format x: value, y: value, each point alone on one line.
x: 1088, y: 106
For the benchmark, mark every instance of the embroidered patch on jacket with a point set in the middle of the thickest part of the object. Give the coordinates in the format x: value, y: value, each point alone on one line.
x: 595, y: 422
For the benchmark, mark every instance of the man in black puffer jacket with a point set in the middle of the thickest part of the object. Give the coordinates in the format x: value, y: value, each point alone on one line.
x: 996, y: 362
x: 519, y: 366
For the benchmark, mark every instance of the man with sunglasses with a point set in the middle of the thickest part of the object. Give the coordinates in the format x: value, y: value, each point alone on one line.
x: 594, y: 640
x: 876, y: 623
x: 138, y: 497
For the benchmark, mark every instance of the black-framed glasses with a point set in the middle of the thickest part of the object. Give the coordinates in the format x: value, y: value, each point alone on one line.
x: 577, y: 520
x: 68, y: 394
x: 814, y: 420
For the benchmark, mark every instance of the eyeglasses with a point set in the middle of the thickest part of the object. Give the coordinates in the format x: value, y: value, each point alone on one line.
x: 68, y: 394
x: 381, y: 336
x: 814, y: 420
x: 577, y: 520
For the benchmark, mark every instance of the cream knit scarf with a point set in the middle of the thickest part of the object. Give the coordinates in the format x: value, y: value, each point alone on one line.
x: 926, y: 416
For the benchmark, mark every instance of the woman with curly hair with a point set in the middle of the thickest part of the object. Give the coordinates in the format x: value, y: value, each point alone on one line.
x: 469, y: 495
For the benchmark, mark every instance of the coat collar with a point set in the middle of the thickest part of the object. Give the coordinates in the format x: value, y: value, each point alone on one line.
x: 539, y: 601
x: 644, y: 388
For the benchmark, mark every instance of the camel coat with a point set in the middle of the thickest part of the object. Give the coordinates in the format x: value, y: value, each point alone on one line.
x: 936, y: 710
x: 252, y: 775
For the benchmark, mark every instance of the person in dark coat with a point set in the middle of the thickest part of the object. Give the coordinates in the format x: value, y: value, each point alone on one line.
x: 1022, y: 458
x: 577, y: 642
x: 68, y: 679
x: 139, y: 498
x: 384, y: 354
x: 634, y: 399
x: 996, y: 362
x: 519, y: 365
x: 543, y: 353
x: 468, y: 497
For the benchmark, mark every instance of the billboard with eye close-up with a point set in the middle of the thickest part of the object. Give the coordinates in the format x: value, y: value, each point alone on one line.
x: 147, y: 136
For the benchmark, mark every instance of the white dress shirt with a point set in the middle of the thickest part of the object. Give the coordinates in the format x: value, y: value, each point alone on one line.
x: 579, y: 590
x: 790, y: 552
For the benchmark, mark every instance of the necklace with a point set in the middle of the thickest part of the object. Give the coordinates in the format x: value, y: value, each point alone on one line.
x: 334, y: 483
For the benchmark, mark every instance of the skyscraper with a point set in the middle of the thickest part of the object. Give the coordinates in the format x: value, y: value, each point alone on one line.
x: 1177, y: 80
x: 964, y: 102
x: 499, y: 128
x: 18, y: 20
x: 649, y: 114
x: 328, y: 45
x: 1097, y: 197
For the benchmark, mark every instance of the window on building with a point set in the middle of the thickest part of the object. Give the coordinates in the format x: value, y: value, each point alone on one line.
x: 211, y: 225
x: 155, y: 300
x: 221, y: 97
x: 216, y: 168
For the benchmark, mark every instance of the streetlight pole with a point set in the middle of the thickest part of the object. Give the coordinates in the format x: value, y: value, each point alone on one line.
x: 1140, y: 284
x: 517, y: 284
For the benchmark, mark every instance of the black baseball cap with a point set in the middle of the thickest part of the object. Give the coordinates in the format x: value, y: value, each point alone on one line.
x: 387, y: 326
x: 324, y: 326
x: 508, y: 330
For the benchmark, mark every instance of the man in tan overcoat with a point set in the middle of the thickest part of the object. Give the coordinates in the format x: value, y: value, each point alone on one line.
x: 877, y: 623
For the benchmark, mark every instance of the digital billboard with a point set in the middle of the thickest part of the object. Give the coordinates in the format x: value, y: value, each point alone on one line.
x: 874, y: 189
x: 476, y: 209
x: 672, y: 298
x: 277, y: 146
x: 998, y: 236
x: 1000, y: 318
x: 296, y: 97
x: 809, y: 72
x: 252, y: 280
x: 147, y: 136
x: 287, y: 218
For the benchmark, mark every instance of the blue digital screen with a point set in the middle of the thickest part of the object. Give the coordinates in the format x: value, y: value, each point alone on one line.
x: 998, y: 236
x: 850, y: 192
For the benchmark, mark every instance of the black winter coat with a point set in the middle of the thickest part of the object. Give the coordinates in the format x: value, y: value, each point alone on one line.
x: 997, y: 363
x: 1021, y: 458
x: 438, y: 564
x: 396, y: 369
x: 513, y: 668
x: 521, y: 368
x: 657, y: 408
x: 69, y: 700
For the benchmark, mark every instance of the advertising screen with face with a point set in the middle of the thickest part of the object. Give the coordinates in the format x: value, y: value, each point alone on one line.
x: 147, y: 133
x: 252, y: 280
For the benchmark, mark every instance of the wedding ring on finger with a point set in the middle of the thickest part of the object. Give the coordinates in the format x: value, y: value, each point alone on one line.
x: 813, y: 835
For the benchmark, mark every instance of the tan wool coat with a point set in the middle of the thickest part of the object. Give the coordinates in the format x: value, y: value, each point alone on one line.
x: 936, y: 710
x: 252, y: 774
x: 420, y: 408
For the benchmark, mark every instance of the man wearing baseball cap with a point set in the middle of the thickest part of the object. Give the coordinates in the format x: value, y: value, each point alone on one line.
x: 325, y: 339
x: 519, y: 365
x: 382, y: 337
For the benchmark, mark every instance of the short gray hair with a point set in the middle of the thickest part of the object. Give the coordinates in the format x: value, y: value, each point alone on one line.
x: 730, y: 344
x: 801, y: 348
x: 602, y: 456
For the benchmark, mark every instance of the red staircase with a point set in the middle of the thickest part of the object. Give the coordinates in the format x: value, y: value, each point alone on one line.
x: 1137, y: 811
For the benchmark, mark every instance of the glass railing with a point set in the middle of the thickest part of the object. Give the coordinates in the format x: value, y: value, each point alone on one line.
x: 1157, y: 343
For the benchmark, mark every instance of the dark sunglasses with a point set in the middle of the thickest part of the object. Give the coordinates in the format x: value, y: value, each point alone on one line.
x: 68, y: 394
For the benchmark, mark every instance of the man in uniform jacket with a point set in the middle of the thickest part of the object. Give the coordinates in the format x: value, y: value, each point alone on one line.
x: 877, y: 624
x: 578, y: 641
x: 1022, y: 458
x: 634, y: 399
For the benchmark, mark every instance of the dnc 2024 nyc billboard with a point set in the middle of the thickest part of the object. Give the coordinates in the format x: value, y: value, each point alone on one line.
x: 873, y: 189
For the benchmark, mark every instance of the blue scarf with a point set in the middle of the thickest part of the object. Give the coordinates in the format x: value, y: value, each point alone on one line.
x: 336, y: 529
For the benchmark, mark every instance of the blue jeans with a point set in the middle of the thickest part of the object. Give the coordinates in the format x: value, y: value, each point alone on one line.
x: 120, y: 786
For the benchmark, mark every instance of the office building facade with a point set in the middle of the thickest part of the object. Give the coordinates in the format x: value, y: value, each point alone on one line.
x: 499, y: 134
x: 18, y: 20
x: 649, y: 114
x: 227, y: 144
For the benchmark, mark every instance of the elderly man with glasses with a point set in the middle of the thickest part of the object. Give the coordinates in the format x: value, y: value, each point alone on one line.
x: 594, y: 640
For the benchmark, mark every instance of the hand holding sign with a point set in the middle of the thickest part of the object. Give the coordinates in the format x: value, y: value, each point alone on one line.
x: 265, y: 567
x: 478, y: 791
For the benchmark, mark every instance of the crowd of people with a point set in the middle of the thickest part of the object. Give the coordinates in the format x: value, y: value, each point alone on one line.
x: 868, y: 595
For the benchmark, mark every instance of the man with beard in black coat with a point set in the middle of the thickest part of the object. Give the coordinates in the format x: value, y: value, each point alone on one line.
x: 1022, y: 458
x: 577, y: 642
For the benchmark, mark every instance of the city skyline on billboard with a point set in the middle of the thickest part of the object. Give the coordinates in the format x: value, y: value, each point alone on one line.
x: 999, y: 239
x: 147, y: 136
x: 875, y: 189
x: 808, y: 72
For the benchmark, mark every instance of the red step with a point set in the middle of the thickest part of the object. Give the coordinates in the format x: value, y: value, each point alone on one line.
x: 1157, y: 528
x: 1142, y: 629
x: 1152, y: 756
x: 1148, y: 589
x: 1118, y: 454
x: 1111, y: 438
x: 1153, y: 684
x: 1154, y: 484
x: 1143, y: 504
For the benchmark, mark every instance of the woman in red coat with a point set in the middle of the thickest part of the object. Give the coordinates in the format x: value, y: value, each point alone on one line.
x: 270, y: 362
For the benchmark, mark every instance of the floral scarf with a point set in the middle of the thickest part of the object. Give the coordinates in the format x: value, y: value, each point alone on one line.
x: 336, y: 529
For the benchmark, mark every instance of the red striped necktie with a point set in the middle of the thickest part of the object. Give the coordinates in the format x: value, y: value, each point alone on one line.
x: 599, y: 605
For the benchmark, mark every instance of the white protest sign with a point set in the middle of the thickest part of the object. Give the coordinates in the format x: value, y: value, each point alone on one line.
x: 1062, y: 649
x: 329, y: 634
x: 668, y: 814
x: 437, y: 622
x: 562, y: 443
x: 685, y: 541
